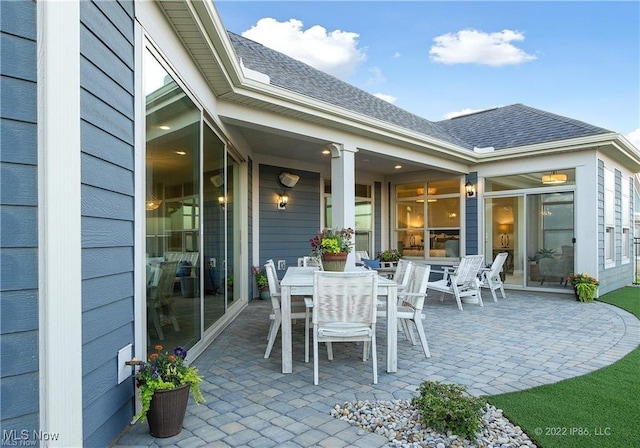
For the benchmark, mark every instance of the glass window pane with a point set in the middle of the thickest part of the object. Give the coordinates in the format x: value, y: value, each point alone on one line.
x: 529, y: 180
x: 444, y: 213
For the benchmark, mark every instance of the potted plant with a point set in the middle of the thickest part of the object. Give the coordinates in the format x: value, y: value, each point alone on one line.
x: 584, y: 286
x: 164, y: 382
x: 262, y: 281
x: 333, y: 246
x: 390, y: 255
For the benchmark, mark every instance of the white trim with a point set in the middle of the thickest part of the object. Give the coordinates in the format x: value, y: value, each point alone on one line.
x: 140, y: 215
x: 59, y: 222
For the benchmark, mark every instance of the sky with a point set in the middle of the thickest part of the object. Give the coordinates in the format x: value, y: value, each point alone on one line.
x: 441, y: 59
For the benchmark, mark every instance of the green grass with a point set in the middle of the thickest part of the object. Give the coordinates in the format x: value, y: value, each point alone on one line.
x: 600, y: 409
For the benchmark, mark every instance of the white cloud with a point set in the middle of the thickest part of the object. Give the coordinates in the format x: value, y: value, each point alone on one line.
x: 477, y: 47
x: 334, y: 52
x: 396, y: 55
x: 634, y: 137
x: 376, y: 75
x: 460, y: 113
x: 387, y: 98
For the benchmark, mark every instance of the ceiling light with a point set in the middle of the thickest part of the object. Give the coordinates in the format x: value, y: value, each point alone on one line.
x: 398, y: 167
x: 554, y: 178
x: 164, y: 127
x: 326, y: 151
x: 152, y: 203
x: 180, y: 153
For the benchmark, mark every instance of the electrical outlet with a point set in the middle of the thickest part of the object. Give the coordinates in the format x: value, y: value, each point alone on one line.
x: 282, y: 265
x: 212, y: 263
x: 124, y: 371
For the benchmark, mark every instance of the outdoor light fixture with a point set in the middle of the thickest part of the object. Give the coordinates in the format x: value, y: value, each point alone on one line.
x: 470, y: 189
x: 221, y: 201
x: 554, y: 178
x: 283, y: 200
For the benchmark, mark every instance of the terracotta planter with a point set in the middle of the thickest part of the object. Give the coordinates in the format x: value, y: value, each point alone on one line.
x: 334, y: 262
x: 166, y: 414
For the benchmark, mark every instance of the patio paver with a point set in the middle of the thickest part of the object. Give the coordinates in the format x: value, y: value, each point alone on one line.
x: 526, y: 340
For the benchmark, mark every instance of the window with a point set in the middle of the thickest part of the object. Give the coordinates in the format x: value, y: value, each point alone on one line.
x: 626, y: 220
x: 428, y: 212
x: 364, y: 215
x: 609, y: 216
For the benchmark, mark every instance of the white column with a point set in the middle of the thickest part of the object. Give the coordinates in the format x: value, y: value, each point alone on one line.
x: 343, y: 189
x: 59, y: 250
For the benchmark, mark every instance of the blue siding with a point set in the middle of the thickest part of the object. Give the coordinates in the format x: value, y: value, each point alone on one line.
x: 285, y: 234
x: 471, y: 219
x: 19, y: 393
x: 107, y: 191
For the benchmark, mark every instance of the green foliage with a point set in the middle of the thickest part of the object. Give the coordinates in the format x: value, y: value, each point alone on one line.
x: 261, y: 277
x: 542, y: 253
x: 331, y: 241
x: 165, y: 371
x: 586, y: 291
x: 389, y: 255
x: 446, y: 407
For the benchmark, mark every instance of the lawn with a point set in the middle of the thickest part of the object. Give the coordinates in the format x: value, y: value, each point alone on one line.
x: 600, y: 409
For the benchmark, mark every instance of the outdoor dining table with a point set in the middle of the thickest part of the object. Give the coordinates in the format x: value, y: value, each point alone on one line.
x: 298, y: 281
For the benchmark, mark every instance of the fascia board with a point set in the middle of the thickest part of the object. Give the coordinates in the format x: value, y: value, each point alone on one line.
x: 275, y: 96
x: 624, y: 150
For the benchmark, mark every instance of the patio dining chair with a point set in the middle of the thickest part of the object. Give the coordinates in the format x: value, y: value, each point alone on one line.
x: 411, y: 301
x: 490, y: 278
x: 344, y: 310
x: 463, y: 282
x: 298, y: 311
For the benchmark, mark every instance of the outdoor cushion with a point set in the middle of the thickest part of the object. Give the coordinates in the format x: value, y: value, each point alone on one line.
x: 371, y: 264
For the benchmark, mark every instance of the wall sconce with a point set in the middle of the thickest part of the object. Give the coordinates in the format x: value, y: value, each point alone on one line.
x: 554, y: 178
x: 222, y: 201
x: 283, y: 200
x: 470, y: 189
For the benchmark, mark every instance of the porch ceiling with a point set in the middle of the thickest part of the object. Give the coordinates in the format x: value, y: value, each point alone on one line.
x: 294, y: 148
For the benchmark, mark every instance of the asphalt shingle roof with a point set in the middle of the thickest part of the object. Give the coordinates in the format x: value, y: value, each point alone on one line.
x: 516, y: 125
x: 503, y: 127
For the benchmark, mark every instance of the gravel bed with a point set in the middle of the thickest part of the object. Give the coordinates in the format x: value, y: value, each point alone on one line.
x: 400, y: 422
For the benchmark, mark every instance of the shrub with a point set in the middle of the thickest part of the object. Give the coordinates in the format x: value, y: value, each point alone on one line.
x: 445, y: 407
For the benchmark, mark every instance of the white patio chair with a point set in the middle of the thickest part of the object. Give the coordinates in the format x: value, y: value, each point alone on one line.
x: 403, y: 273
x: 463, y: 282
x: 490, y: 278
x: 411, y: 303
x: 298, y: 311
x: 344, y: 310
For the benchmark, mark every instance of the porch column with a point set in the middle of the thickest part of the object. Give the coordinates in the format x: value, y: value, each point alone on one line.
x: 343, y: 190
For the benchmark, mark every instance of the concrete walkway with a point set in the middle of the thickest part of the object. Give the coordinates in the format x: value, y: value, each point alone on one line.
x: 520, y: 342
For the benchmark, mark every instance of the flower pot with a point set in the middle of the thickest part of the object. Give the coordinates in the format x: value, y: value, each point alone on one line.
x: 334, y: 262
x: 264, y: 294
x: 166, y: 414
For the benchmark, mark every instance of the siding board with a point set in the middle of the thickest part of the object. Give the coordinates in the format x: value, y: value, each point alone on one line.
x: 94, y: 50
x: 18, y: 184
x: 103, y: 145
x: 22, y: 53
x: 13, y: 357
x: 93, y: 353
x: 100, y: 85
x: 103, y: 116
x: 106, y: 261
x: 19, y: 226
x: 106, y: 204
x: 19, y: 351
x: 98, y: 173
x: 97, y: 232
x: 101, y: 321
x: 20, y: 392
x: 18, y: 312
x: 94, y: 19
x: 18, y: 269
x: 18, y: 99
x: 19, y: 142
x: 100, y: 291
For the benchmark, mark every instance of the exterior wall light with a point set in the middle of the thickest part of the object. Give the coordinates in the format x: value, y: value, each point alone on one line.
x: 283, y: 200
x: 470, y: 189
